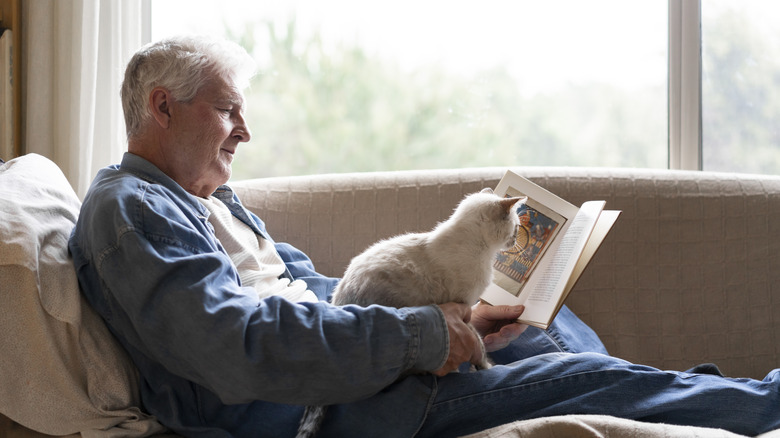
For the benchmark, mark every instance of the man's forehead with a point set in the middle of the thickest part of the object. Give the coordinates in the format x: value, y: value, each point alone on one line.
x: 224, y: 89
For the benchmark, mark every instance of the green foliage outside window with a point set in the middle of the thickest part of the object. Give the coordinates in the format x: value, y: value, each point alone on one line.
x: 740, y: 92
x: 313, y: 110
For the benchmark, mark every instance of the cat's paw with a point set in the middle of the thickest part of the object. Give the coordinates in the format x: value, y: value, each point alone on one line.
x: 484, y: 364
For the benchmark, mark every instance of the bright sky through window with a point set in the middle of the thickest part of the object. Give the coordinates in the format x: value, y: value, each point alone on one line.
x: 359, y: 86
x: 544, y: 44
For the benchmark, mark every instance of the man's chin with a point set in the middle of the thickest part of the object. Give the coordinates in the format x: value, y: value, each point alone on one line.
x: 227, y: 156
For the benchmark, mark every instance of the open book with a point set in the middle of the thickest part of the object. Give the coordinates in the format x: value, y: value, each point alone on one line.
x: 555, y: 242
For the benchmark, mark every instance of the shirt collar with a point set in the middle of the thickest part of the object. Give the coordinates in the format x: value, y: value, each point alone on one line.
x: 144, y: 169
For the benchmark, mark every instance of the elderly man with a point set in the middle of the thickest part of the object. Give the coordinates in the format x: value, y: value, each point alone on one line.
x: 233, y: 333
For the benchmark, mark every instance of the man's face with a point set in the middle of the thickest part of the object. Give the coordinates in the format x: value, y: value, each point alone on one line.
x: 205, y: 134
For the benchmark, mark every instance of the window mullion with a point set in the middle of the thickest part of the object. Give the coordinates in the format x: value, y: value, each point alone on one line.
x: 685, y: 111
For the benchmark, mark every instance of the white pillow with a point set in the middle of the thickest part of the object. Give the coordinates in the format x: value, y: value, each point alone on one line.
x: 61, y: 370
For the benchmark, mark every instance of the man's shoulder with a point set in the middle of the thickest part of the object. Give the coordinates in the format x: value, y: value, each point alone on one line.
x: 120, y: 207
x: 112, y: 185
x: 114, y: 191
x: 127, y: 200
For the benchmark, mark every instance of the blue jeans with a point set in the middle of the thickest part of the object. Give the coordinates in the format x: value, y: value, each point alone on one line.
x: 564, y: 370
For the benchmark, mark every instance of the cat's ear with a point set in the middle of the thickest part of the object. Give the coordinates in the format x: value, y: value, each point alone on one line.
x: 508, y: 203
x: 486, y: 190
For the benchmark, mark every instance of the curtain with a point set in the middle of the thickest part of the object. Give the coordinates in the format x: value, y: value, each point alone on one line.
x: 74, y: 54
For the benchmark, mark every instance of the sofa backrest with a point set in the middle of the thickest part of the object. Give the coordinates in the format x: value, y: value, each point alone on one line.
x: 690, y: 273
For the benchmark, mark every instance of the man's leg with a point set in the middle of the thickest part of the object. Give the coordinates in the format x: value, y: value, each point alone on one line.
x: 567, y: 333
x: 589, y: 383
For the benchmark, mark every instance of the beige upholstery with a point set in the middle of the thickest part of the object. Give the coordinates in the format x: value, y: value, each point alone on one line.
x: 601, y: 426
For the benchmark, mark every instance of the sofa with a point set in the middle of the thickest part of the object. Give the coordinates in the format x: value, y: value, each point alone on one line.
x: 690, y: 273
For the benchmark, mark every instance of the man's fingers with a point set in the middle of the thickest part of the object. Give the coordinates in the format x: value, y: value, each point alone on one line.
x: 501, y: 312
x: 464, y: 340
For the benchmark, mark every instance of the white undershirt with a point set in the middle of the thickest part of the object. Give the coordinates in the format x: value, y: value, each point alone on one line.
x: 255, y: 258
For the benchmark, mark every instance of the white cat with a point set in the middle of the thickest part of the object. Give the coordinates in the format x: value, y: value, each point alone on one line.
x: 451, y: 263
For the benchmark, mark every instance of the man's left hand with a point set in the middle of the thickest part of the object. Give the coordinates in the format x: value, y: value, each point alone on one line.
x: 497, y: 324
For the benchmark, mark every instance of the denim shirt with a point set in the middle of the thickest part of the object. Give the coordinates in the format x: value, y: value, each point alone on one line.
x: 209, y: 351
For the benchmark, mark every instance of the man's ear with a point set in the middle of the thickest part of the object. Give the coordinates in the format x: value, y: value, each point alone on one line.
x: 160, y: 101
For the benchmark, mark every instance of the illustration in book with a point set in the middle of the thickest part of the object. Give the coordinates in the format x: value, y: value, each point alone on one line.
x: 538, y: 227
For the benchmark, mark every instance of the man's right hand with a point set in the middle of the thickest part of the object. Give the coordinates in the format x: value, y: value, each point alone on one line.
x: 465, y: 346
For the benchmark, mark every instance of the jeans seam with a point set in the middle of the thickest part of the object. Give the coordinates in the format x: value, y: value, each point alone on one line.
x: 556, y: 338
x: 429, y: 405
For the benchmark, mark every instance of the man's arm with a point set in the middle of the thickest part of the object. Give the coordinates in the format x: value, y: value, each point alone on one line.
x: 211, y: 331
x: 171, y: 293
x: 301, y: 268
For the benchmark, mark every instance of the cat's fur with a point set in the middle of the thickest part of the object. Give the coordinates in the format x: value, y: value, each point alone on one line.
x: 451, y: 263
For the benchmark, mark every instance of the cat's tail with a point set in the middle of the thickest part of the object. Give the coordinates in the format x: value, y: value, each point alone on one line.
x: 485, y: 363
x: 311, y: 421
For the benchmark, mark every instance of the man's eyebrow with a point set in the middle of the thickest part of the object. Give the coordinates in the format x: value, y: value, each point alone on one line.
x: 232, y: 99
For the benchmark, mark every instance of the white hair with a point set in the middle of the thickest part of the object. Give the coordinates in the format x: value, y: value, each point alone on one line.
x: 181, y: 65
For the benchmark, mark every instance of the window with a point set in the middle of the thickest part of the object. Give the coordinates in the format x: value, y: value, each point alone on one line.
x: 741, y: 86
x: 359, y: 86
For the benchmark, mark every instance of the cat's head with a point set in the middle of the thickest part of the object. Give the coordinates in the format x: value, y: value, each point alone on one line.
x: 494, y: 216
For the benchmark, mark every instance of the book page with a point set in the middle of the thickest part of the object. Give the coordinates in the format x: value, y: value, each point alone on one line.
x: 603, y: 225
x: 543, y: 217
x: 506, y: 288
x: 513, y: 184
x: 544, y: 291
x: 600, y: 231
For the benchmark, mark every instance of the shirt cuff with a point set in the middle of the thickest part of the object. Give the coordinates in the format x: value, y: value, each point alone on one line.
x: 430, y: 340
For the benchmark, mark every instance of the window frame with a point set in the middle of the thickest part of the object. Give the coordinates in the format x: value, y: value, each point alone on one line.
x: 684, y: 85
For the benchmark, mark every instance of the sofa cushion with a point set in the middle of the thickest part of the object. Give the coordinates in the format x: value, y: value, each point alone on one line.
x: 601, y: 426
x: 62, y: 370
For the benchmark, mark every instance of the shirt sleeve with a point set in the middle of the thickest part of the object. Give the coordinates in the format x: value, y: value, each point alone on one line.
x: 301, y: 268
x: 179, y: 302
